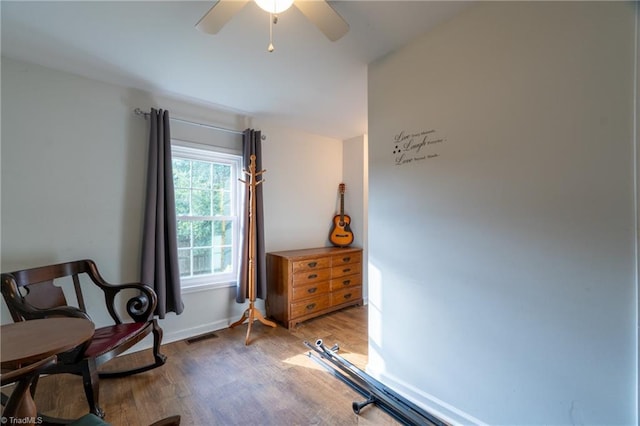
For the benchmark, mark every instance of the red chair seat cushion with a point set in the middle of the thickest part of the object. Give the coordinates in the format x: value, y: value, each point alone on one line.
x: 110, y: 337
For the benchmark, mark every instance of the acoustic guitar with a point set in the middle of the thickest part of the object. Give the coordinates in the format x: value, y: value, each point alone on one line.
x: 341, y: 235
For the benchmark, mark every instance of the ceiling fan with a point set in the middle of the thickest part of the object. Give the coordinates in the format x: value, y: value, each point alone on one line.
x: 319, y: 12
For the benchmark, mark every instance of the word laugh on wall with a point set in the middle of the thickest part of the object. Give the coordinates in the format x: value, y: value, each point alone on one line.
x: 412, y: 147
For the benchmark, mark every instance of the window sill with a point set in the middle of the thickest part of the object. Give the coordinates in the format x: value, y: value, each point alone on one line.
x: 195, y: 288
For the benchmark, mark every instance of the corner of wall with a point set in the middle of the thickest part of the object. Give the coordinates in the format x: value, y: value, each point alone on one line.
x: 636, y: 133
x: 355, y: 175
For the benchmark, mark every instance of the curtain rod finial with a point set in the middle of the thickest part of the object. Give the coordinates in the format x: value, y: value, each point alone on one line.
x: 138, y: 111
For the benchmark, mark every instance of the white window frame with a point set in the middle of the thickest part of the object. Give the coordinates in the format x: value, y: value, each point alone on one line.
x: 202, y: 152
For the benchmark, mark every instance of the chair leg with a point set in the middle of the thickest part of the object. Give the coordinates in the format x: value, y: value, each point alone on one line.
x: 34, y: 384
x: 157, y: 341
x: 91, y: 382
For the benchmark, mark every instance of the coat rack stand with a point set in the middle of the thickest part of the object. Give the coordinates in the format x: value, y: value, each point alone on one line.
x: 251, y: 313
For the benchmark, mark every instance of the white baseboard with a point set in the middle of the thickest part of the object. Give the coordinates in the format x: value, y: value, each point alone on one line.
x: 195, y: 331
x: 430, y: 403
x: 147, y: 342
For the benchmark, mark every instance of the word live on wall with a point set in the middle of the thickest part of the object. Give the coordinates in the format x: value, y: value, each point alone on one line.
x: 413, y: 147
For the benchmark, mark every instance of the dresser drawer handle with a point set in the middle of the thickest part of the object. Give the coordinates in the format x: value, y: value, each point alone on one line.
x: 310, y: 306
x: 347, y: 296
x: 346, y: 270
x: 312, y: 264
x: 346, y: 282
x: 312, y: 290
x: 312, y: 276
x: 346, y: 259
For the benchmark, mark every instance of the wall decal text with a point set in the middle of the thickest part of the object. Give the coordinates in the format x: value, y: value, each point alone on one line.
x: 413, y: 147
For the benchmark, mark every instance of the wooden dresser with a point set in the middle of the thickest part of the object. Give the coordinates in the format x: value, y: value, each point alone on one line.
x: 303, y: 284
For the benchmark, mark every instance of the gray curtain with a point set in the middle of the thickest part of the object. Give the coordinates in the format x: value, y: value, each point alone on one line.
x: 159, y: 243
x: 252, y: 144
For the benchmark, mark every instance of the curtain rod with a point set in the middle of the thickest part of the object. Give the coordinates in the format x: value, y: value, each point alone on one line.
x: 138, y: 111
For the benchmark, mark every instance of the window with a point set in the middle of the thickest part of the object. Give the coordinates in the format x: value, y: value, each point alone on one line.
x: 208, y: 203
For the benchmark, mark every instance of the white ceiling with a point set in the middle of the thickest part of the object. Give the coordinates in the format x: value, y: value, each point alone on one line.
x: 308, y: 83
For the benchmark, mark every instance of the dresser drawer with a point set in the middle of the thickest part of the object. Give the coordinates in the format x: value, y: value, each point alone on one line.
x: 310, y: 277
x: 310, y: 306
x: 307, y: 291
x: 347, y: 258
x: 311, y: 264
x: 346, y: 295
x: 342, y: 270
x: 346, y: 281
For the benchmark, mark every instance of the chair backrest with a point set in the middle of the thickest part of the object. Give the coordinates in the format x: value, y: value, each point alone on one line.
x: 35, y: 288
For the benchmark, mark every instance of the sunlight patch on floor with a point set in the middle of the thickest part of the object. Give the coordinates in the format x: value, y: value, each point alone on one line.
x: 303, y: 360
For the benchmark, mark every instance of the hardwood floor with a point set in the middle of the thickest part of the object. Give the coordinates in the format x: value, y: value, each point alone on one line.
x: 220, y: 381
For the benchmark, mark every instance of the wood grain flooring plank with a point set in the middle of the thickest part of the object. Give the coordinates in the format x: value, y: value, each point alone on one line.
x: 221, y: 381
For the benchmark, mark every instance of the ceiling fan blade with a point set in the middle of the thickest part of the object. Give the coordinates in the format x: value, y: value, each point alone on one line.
x: 219, y: 14
x: 324, y: 17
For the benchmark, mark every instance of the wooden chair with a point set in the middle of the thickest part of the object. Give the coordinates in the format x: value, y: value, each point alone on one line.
x: 32, y: 294
x: 21, y: 407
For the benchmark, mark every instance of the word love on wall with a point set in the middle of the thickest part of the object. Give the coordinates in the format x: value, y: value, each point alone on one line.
x: 414, y: 147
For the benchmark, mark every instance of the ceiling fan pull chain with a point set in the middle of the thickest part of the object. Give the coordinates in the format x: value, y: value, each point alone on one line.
x: 272, y: 19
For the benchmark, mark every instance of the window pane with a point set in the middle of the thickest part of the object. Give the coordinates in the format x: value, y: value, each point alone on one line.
x: 222, y: 173
x: 181, y: 173
x: 184, y: 262
x: 201, y: 176
x: 222, y: 203
x: 182, y: 202
x: 201, y: 261
x: 184, y: 234
x: 201, y: 202
x: 222, y: 260
x: 223, y: 232
x: 202, y: 234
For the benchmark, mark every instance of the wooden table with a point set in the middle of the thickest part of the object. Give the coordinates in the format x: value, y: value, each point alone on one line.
x: 26, y: 342
x: 29, y: 341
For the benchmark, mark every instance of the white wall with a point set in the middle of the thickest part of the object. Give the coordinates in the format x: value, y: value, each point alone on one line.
x: 502, y: 284
x: 355, y: 176
x: 73, y: 159
x: 73, y: 168
x: 303, y: 173
x: 637, y: 208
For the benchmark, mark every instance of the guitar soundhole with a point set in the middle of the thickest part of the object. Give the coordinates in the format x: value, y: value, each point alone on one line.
x: 346, y: 282
x: 312, y: 290
x: 312, y: 276
x: 312, y: 264
x: 311, y: 306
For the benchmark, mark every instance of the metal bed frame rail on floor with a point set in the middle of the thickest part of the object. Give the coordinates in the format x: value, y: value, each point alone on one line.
x: 376, y: 393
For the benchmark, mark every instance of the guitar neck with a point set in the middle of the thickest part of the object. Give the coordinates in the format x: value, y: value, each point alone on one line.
x: 341, y: 207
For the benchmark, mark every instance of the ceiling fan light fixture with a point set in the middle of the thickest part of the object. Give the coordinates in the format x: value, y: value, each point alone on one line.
x: 274, y: 6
